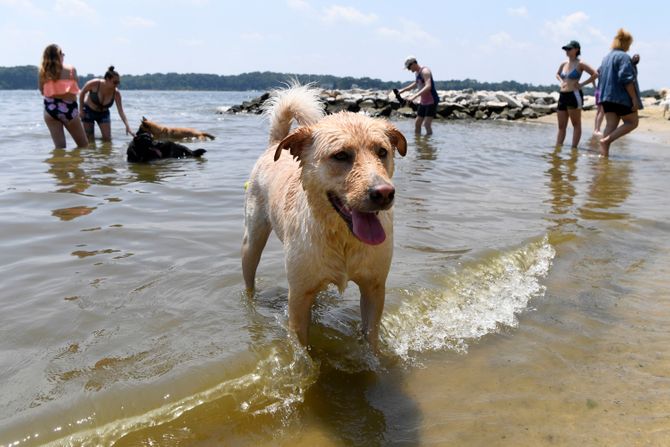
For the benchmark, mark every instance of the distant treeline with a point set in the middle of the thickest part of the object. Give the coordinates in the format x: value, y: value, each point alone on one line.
x: 25, y: 78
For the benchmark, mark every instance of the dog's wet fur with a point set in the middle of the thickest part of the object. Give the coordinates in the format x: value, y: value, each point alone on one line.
x: 161, y: 132
x: 325, y: 189
x: 145, y: 148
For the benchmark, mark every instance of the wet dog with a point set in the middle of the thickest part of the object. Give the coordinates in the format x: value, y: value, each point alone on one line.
x: 144, y: 148
x: 161, y: 132
x: 329, y: 200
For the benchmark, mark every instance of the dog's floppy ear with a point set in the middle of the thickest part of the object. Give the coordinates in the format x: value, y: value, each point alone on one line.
x: 295, y: 142
x: 397, y: 139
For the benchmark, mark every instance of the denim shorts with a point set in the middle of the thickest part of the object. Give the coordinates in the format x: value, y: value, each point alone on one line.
x: 88, y: 115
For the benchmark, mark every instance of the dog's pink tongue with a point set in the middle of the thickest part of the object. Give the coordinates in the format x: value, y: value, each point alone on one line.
x: 368, y: 228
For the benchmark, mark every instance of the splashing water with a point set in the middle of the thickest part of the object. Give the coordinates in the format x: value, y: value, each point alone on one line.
x: 279, y: 380
x: 475, y: 301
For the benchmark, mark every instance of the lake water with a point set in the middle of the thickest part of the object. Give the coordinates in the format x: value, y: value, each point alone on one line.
x: 527, y: 302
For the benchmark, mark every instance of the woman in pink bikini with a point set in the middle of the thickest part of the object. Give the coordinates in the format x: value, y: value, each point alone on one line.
x: 96, y: 98
x: 58, y: 84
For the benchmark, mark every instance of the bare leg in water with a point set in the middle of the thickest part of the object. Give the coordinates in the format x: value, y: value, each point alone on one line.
x: 562, y: 116
x: 613, y: 133
x: 598, y: 123
x: 576, y: 120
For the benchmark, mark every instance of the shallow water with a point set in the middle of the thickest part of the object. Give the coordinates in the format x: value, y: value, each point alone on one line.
x: 527, y: 301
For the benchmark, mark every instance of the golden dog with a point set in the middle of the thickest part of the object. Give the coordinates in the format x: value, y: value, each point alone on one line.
x: 329, y: 201
x: 161, y: 132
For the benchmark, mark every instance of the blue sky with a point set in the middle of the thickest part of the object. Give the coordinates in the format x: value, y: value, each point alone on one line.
x: 483, y: 40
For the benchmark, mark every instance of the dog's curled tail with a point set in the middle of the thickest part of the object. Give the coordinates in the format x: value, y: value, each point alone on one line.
x: 299, y: 102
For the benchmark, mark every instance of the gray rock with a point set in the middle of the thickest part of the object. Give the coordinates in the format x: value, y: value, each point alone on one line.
x: 454, y: 104
x: 510, y: 100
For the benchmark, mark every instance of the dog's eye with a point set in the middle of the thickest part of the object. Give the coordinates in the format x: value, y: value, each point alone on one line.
x: 382, y: 153
x: 342, y: 156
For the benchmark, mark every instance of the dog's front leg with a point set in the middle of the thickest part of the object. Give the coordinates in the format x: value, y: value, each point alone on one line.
x: 300, y: 312
x: 373, y: 295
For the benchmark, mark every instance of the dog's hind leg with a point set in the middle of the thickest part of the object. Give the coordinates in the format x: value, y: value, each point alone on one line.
x: 256, y: 233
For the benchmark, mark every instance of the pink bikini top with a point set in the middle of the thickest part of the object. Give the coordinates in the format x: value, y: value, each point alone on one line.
x: 61, y: 86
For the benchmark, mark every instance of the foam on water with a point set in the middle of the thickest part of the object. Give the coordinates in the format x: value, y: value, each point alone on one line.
x: 280, y: 378
x: 477, y: 300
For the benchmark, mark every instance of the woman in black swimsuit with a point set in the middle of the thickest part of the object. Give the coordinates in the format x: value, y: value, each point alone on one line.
x: 97, y: 97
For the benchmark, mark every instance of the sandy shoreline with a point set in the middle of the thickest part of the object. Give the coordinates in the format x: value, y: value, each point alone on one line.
x: 653, y: 127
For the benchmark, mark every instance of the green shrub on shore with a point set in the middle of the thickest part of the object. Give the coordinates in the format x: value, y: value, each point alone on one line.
x: 25, y: 78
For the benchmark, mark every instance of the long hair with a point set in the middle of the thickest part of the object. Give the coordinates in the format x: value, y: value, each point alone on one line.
x: 622, y: 40
x: 51, y: 64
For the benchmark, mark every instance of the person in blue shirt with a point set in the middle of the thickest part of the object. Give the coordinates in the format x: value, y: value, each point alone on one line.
x: 619, y: 91
x: 571, y: 96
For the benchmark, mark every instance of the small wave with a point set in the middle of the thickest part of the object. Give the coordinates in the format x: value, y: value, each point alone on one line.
x: 478, y: 300
x: 280, y: 378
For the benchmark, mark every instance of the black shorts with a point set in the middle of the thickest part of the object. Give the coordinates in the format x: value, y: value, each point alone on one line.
x: 429, y: 110
x: 570, y: 100
x: 619, y: 109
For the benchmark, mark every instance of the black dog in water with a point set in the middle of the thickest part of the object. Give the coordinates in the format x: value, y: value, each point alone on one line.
x: 144, y: 148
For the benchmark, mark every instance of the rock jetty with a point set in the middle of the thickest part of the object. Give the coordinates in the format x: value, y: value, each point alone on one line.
x: 454, y: 104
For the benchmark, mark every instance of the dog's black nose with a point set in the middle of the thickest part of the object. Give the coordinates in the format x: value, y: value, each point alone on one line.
x: 382, y: 195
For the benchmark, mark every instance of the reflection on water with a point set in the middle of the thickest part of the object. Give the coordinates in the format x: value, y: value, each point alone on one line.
x: 66, y: 167
x: 72, y: 212
x: 419, y: 204
x: 608, y: 185
x: 146, y: 172
x: 562, y: 178
x: 609, y: 188
x: 424, y: 147
x: 374, y: 411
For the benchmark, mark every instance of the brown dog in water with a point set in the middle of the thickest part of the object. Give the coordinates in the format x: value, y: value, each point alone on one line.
x: 161, y: 132
x: 329, y: 201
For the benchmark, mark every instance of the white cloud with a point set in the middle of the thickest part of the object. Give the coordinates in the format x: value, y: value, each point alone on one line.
x: 518, y: 12
x: 137, y: 22
x: 348, y: 14
x: 409, y: 33
x: 598, y: 35
x: 75, y: 8
x: 567, y: 27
